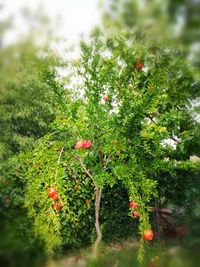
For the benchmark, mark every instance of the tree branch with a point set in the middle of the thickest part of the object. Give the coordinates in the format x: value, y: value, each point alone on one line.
x: 146, y: 150
x: 172, y: 137
x: 84, y: 168
x: 61, y: 151
x: 107, y: 159
x: 97, y: 206
x: 59, y: 157
x: 100, y: 149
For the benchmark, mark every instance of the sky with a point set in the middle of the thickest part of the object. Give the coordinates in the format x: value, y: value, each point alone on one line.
x: 68, y: 18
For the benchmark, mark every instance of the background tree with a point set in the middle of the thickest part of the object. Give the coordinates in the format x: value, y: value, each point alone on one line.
x: 177, y: 22
x: 29, y: 101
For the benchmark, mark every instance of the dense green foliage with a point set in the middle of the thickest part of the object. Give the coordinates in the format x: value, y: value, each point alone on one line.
x: 29, y: 93
x: 143, y: 136
x: 29, y: 103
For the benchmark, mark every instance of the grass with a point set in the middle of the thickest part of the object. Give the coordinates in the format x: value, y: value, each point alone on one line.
x: 125, y: 255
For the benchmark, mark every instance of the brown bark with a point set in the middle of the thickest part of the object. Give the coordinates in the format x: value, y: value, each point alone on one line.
x: 97, y: 203
x: 84, y: 168
x: 97, y: 225
x: 98, y: 193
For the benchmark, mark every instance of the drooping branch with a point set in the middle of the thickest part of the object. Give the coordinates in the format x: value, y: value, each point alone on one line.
x: 59, y: 158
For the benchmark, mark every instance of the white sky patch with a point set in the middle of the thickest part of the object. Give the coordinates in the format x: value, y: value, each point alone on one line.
x: 121, y: 63
x: 106, y: 54
x: 170, y: 142
x: 115, y: 108
x: 145, y: 69
x: 69, y: 19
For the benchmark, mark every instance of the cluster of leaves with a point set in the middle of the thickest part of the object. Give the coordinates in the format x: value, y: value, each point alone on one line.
x: 74, y: 190
x: 74, y: 224
x: 18, y: 243
x: 116, y: 222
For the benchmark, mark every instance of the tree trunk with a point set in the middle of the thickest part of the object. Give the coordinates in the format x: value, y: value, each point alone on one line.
x: 97, y: 225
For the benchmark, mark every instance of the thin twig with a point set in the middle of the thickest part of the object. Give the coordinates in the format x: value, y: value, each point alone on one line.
x: 174, y: 139
x: 146, y: 150
x: 59, y: 157
x: 100, y: 149
x: 83, y: 167
x: 106, y: 160
x: 61, y: 151
x: 171, y: 137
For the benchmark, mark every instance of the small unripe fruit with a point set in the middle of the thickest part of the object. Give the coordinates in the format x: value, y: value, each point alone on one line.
x: 106, y: 98
x: 76, y: 187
